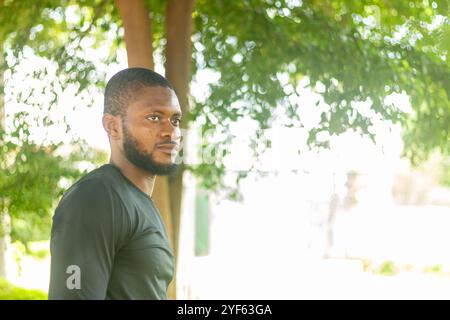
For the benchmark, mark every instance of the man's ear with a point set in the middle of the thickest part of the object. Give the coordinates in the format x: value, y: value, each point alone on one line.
x: 112, y: 126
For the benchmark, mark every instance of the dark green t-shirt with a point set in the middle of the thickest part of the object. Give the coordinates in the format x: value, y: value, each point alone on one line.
x: 108, y: 241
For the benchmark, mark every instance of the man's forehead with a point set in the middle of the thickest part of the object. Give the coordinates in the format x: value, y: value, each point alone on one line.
x: 152, y: 98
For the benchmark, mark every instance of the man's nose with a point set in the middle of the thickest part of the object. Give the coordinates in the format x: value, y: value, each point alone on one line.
x: 168, y: 130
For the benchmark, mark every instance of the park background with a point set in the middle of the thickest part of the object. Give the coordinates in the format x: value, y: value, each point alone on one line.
x: 316, y: 159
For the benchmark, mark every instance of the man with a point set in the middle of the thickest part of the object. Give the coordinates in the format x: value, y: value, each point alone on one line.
x: 108, y: 240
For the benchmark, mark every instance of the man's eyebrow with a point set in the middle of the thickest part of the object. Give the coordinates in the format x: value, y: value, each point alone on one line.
x: 160, y: 111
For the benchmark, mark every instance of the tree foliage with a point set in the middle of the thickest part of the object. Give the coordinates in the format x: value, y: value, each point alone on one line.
x: 349, y: 52
x: 357, y: 50
x: 34, y: 173
x: 33, y: 176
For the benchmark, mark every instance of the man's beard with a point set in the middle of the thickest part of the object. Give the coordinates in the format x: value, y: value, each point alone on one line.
x: 144, y: 160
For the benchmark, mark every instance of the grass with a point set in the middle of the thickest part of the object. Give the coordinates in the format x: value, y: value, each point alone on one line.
x: 11, y: 292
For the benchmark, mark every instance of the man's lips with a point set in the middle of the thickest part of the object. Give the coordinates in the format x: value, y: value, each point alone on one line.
x: 167, y: 147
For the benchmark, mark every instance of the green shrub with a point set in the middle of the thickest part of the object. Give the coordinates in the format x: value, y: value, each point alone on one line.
x: 435, y: 269
x: 11, y: 292
x: 388, y: 268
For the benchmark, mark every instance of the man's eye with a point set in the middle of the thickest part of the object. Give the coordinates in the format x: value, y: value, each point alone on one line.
x: 176, y: 122
x: 153, y: 118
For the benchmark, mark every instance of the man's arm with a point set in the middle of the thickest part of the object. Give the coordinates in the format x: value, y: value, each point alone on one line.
x: 82, y: 243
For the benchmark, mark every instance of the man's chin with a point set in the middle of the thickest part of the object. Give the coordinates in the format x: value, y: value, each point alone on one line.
x: 161, y: 166
x: 162, y: 169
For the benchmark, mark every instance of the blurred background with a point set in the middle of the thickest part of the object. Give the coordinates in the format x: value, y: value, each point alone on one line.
x: 316, y: 158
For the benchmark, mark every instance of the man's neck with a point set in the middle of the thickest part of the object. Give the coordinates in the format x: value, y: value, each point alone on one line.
x: 139, y: 177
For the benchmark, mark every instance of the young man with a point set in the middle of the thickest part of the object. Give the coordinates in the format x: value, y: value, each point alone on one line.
x: 108, y: 240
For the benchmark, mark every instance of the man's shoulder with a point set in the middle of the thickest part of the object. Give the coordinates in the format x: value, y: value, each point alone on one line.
x: 90, y: 201
x: 97, y: 183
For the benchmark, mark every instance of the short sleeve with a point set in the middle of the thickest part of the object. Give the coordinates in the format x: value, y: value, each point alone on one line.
x: 83, y: 242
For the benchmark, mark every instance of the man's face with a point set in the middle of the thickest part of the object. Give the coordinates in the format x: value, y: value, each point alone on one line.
x: 151, y: 130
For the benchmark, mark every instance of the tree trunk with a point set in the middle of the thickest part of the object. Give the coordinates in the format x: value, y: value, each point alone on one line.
x: 138, y: 32
x: 178, y: 72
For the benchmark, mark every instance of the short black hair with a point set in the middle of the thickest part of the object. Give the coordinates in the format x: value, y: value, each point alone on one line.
x: 121, y: 88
